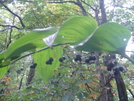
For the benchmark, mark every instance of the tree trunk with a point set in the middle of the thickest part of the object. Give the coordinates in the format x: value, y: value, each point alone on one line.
x: 30, y: 76
x: 82, y: 8
x: 121, y: 88
x: 109, y: 90
x: 106, y: 94
x: 103, y: 13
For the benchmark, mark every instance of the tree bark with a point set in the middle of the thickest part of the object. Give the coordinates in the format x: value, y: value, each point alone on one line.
x: 109, y: 90
x: 103, y: 13
x: 30, y: 76
x: 106, y: 94
x: 121, y: 88
x: 82, y: 8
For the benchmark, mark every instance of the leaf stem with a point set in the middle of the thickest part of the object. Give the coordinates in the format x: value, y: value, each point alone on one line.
x: 130, y: 59
x: 35, y: 52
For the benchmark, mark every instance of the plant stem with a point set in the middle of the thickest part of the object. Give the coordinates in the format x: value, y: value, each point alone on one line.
x: 35, y: 52
x: 130, y: 59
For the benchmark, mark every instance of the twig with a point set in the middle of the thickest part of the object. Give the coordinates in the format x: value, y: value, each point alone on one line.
x: 38, y: 18
x: 66, y: 2
x: 131, y: 93
x: 129, y: 51
x: 4, y: 29
x: 89, y: 5
x: 78, y: 3
x: 87, y: 84
x: 11, y: 26
x: 14, y: 15
x: 10, y: 37
x: 108, y: 81
x: 60, y: 78
x: 21, y: 81
x: 13, y: 61
x: 130, y: 59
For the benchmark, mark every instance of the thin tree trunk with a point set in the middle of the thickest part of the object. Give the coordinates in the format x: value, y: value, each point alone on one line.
x: 30, y: 76
x: 82, y: 8
x: 103, y: 13
x: 106, y: 94
x: 109, y: 94
x: 121, y: 88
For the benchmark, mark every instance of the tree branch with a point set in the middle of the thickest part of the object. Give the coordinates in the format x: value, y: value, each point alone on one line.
x: 14, y: 15
x: 66, y: 2
x: 30, y: 76
x: 37, y: 18
x: 96, y: 11
x: 11, y: 26
x: 121, y: 88
x: 103, y: 13
x: 4, y: 29
x: 21, y: 80
x: 10, y: 37
x: 130, y: 59
x: 131, y: 92
x: 13, y: 61
x: 89, y: 5
x: 78, y: 3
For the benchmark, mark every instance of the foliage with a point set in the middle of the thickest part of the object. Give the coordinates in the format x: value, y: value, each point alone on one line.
x: 86, y: 34
x: 68, y: 79
x: 46, y: 71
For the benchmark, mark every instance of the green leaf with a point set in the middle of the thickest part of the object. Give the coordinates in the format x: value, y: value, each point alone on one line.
x: 44, y: 70
x: 76, y: 30
x: 3, y: 71
x: 109, y: 38
x: 28, y: 43
x: 2, y: 58
x: 3, y: 62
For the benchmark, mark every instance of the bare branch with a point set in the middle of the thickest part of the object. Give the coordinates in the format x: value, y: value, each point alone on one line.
x: 66, y: 2
x: 89, y: 5
x: 4, y: 29
x: 14, y: 15
x: 10, y: 37
x: 37, y: 18
x: 21, y: 80
x: 11, y: 26
x: 96, y: 11
x: 78, y: 3
x: 131, y: 92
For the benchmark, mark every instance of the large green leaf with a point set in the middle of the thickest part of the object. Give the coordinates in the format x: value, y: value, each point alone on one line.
x: 3, y: 62
x: 2, y: 57
x: 29, y: 42
x: 3, y: 71
x: 75, y: 30
x: 47, y: 71
x: 109, y: 37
